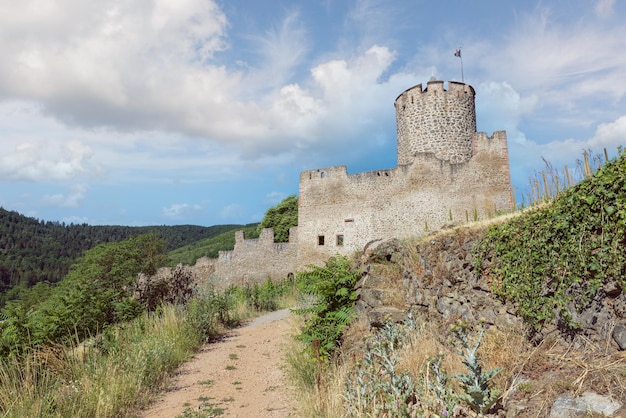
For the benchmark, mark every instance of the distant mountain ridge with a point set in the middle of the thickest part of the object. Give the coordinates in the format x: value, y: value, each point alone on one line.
x: 33, y: 250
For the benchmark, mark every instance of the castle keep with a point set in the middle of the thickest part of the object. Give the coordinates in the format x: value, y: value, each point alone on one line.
x: 447, y: 173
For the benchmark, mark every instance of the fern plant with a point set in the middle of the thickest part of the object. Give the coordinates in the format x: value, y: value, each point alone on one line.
x: 332, y: 289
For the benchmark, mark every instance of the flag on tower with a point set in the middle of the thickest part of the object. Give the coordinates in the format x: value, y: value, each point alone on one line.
x: 457, y: 53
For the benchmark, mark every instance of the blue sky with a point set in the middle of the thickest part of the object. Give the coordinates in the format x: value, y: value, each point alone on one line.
x: 152, y: 112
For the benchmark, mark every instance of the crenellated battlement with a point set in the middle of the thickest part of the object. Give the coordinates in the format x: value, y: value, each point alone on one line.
x: 339, y: 171
x: 435, y: 120
x: 257, y: 259
x: 446, y: 173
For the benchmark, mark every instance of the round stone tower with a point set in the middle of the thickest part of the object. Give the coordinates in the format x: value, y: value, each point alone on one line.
x: 437, y: 121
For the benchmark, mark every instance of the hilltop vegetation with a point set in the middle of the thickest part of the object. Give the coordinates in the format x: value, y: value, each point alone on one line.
x: 210, y: 247
x: 281, y: 218
x: 553, y: 260
x: 34, y: 251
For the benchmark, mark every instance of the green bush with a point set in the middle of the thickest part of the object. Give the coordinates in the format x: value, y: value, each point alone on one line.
x: 553, y: 260
x: 116, y: 371
x: 332, y: 288
x: 281, y: 218
x: 95, y: 293
x: 209, y: 310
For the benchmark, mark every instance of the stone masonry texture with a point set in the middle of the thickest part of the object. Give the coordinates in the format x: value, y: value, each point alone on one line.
x: 447, y: 173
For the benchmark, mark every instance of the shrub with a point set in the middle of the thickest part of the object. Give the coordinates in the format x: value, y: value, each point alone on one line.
x: 377, y: 386
x: 332, y: 287
x: 552, y: 260
x: 165, y: 286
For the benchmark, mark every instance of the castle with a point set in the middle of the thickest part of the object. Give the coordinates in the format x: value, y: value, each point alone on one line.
x: 447, y: 173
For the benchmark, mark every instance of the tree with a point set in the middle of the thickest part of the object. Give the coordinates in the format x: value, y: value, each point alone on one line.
x: 95, y: 293
x: 281, y: 217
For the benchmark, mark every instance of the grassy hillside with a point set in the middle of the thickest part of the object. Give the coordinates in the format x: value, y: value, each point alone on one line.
x: 556, y: 258
x: 210, y: 247
x: 560, y: 264
x: 34, y: 251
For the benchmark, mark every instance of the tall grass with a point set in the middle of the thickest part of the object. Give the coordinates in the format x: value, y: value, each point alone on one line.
x: 115, y: 373
x: 109, y: 378
x: 546, y: 184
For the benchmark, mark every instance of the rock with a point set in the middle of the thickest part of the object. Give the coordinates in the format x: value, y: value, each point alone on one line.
x: 450, y: 307
x: 381, y: 251
x: 514, y: 408
x: 612, y: 289
x: 619, y: 335
x: 619, y: 306
x: 378, y: 297
x: 373, y: 280
x: 567, y: 406
x: 379, y: 316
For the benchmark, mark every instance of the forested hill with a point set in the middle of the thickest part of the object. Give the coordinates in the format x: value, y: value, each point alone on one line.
x: 33, y: 250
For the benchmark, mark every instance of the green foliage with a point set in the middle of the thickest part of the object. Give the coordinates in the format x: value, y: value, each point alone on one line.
x: 265, y: 297
x: 477, y: 390
x: 281, y: 217
x: 552, y: 261
x: 95, y: 293
x: 375, y: 387
x: 332, y: 288
x: 210, y: 247
x: 112, y: 374
x: 210, y: 310
x: 36, y: 251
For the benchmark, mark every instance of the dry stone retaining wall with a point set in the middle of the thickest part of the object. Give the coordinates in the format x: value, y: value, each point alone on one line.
x: 440, y: 282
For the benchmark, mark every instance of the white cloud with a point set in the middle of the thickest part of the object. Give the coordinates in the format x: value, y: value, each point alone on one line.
x: 527, y: 157
x: 40, y: 159
x: 604, y: 8
x: 181, y: 210
x: 274, y: 198
x: 280, y: 51
x: 501, y: 107
x: 553, y: 58
x: 609, y: 135
x: 72, y: 199
x: 232, y: 212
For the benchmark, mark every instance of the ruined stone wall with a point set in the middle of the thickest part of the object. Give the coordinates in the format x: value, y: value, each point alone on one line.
x: 257, y: 259
x: 447, y: 173
x: 436, y: 121
x: 349, y: 211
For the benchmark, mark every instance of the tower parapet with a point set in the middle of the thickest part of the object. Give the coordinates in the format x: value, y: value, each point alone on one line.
x: 436, y: 121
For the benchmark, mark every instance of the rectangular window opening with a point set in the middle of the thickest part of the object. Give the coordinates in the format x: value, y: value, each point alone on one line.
x: 320, y: 240
x: 340, y: 240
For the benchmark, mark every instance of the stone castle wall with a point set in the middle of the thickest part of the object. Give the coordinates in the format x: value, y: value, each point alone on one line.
x: 257, y: 259
x: 349, y: 211
x: 436, y: 121
x: 446, y: 173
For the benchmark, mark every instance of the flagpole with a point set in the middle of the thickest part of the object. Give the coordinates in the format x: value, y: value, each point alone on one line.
x: 462, y: 77
x: 457, y: 53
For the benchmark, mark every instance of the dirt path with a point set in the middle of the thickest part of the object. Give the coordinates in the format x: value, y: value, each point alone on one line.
x: 239, y: 376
